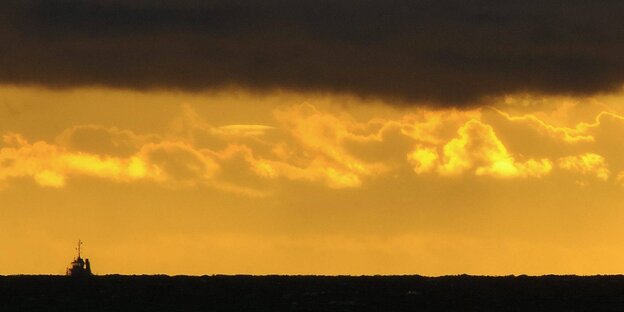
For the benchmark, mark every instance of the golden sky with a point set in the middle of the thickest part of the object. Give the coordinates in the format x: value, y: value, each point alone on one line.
x: 284, y: 182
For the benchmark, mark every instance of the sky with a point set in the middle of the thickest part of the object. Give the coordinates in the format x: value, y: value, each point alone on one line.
x: 312, y: 137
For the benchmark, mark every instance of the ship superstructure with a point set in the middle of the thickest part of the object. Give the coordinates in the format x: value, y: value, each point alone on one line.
x: 79, y: 267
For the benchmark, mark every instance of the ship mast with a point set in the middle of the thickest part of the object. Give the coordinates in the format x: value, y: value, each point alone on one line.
x: 79, y: 243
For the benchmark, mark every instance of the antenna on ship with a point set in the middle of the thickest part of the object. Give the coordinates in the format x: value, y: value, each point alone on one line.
x: 79, y: 243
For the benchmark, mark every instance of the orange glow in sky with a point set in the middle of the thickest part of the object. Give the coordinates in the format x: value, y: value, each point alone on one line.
x: 300, y: 183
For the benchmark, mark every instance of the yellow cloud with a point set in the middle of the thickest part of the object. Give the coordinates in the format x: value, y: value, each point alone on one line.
x: 478, y: 147
x: 101, y: 140
x: 93, y: 165
x: 320, y: 139
x: 317, y: 170
x: 570, y: 135
x: 581, y: 132
x: 49, y: 165
x: 587, y: 164
x: 137, y: 168
x: 435, y: 127
x: 177, y: 162
x: 305, y: 144
x: 242, y: 130
x: 423, y: 159
x: 49, y: 178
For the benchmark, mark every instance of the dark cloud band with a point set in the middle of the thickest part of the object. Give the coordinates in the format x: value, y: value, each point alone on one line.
x: 445, y: 51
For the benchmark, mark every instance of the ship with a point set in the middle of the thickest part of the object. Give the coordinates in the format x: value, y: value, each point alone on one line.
x: 79, y: 267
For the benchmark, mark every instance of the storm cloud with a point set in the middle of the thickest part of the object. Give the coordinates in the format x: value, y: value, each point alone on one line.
x: 447, y: 52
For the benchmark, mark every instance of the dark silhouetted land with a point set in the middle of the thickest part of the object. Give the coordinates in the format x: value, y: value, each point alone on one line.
x: 311, y: 293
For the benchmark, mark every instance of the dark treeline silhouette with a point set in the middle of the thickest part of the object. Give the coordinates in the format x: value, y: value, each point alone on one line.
x: 312, y: 293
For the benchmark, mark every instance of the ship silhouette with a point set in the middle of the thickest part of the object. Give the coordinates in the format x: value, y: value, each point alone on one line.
x: 79, y: 267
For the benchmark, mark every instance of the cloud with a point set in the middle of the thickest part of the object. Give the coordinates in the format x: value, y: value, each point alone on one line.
x: 451, y: 52
x: 478, y: 146
x: 192, y: 128
x: 307, y: 144
x: 318, y: 148
x: 176, y: 162
x: 577, y: 134
x: 243, y: 130
x: 587, y: 164
x: 317, y: 170
x: 423, y: 159
x: 435, y: 127
x: 172, y: 163
x: 50, y: 165
x: 102, y: 140
x: 238, y: 172
x: 475, y: 146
